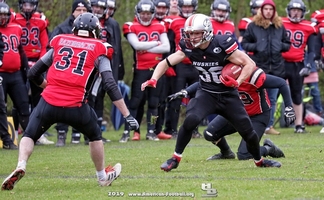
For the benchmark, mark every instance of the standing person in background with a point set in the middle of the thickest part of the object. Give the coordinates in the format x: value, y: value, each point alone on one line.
x: 244, y: 22
x: 149, y: 41
x: 65, y: 95
x: 174, y: 9
x: 301, y: 33
x: 267, y: 39
x: 78, y: 7
x: 13, y: 69
x: 209, y: 53
x: 185, y: 73
x: 7, y: 142
x: 34, y: 41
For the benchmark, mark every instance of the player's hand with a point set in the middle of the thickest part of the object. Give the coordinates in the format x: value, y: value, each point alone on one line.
x: 149, y: 83
x: 170, y: 72
x: 181, y: 94
x: 305, y: 71
x: 132, y: 122
x: 290, y: 115
x: 228, y: 81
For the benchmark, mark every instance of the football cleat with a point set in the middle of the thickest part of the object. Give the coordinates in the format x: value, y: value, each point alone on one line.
x: 112, y: 173
x: 136, y: 136
x: 164, y: 136
x: 125, y: 137
x: 226, y: 155
x: 170, y: 164
x: 273, y: 151
x: 10, y: 182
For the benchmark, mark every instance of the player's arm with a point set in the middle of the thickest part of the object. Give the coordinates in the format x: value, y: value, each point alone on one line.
x: 238, y: 57
x: 162, y: 66
x: 311, y: 49
x: 43, y: 41
x: 248, y: 42
x: 164, y: 47
x: 35, y: 73
x: 285, y: 42
x: 23, y: 62
x: 1, y: 49
x: 140, y: 45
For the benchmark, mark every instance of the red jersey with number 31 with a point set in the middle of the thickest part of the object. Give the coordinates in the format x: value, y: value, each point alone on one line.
x: 71, y: 74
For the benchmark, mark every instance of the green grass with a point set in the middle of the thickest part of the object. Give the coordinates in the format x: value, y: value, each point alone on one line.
x: 68, y: 172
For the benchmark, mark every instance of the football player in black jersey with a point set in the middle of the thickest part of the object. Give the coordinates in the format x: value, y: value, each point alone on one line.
x: 209, y: 54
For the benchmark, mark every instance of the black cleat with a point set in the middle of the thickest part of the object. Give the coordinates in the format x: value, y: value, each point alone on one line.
x: 228, y: 155
x: 9, y: 145
x: 273, y: 150
x: 170, y: 164
x: 196, y: 134
x: 268, y: 163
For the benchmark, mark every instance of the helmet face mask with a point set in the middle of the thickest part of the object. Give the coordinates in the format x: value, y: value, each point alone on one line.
x: 296, y: 10
x: 111, y: 7
x: 197, y: 30
x: 220, y: 10
x: 145, y: 12
x: 86, y: 25
x: 4, y: 14
x: 99, y: 8
x: 28, y: 7
x: 187, y: 7
x: 162, y: 8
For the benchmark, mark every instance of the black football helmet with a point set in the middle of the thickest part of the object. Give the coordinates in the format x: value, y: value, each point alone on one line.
x: 32, y: 7
x: 220, y: 5
x: 4, y: 9
x: 99, y: 3
x: 86, y: 25
x: 254, y: 4
x: 298, y: 4
x: 182, y: 3
x: 144, y: 5
x: 161, y: 3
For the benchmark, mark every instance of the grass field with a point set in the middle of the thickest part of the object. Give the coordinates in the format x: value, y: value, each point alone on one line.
x: 68, y: 173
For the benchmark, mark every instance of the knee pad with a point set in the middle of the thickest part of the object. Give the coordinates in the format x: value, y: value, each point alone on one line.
x: 134, y: 103
x: 191, y: 122
x: 208, y: 135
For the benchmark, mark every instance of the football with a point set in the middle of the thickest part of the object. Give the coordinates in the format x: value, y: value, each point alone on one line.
x: 232, y: 70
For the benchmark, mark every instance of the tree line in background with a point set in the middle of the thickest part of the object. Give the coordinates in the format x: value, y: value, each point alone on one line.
x: 58, y: 10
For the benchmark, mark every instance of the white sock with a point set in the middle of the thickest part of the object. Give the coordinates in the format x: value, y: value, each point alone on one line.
x: 22, y: 164
x: 101, y: 175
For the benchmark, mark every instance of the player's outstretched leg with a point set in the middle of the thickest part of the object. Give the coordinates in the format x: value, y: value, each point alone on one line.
x: 10, y: 182
x: 171, y: 163
x: 112, y: 173
x: 272, y: 149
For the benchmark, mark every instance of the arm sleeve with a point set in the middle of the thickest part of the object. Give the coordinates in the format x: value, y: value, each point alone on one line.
x: 35, y: 73
x: 138, y: 45
x: 1, y: 47
x: 277, y: 82
x: 311, y: 48
x: 171, y: 37
x: 164, y: 47
x: 109, y: 83
x: 286, y: 44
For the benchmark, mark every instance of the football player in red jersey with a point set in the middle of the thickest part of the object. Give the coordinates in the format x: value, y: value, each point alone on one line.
x: 301, y: 33
x: 220, y: 11
x: 149, y: 41
x: 256, y: 102
x: 34, y: 41
x: 244, y: 22
x: 14, y: 60
x: 72, y: 62
x: 209, y: 53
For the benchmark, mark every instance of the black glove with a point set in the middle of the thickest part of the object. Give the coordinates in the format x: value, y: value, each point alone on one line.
x: 181, y: 94
x: 290, y: 115
x: 132, y: 122
x: 305, y: 71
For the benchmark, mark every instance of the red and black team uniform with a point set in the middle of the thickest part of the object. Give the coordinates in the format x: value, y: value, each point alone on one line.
x: 223, y: 28
x: 185, y: 74
x: 257, y: 104
x: 318, y: 15
x: 300, y: 34
x: 14, y: 60
x: 34, y: 41
x: 243, y: 24
x: 144, y: 64
x: 65, y: 99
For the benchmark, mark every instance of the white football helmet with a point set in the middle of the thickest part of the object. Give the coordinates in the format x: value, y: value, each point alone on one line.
x: 197, y: 23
